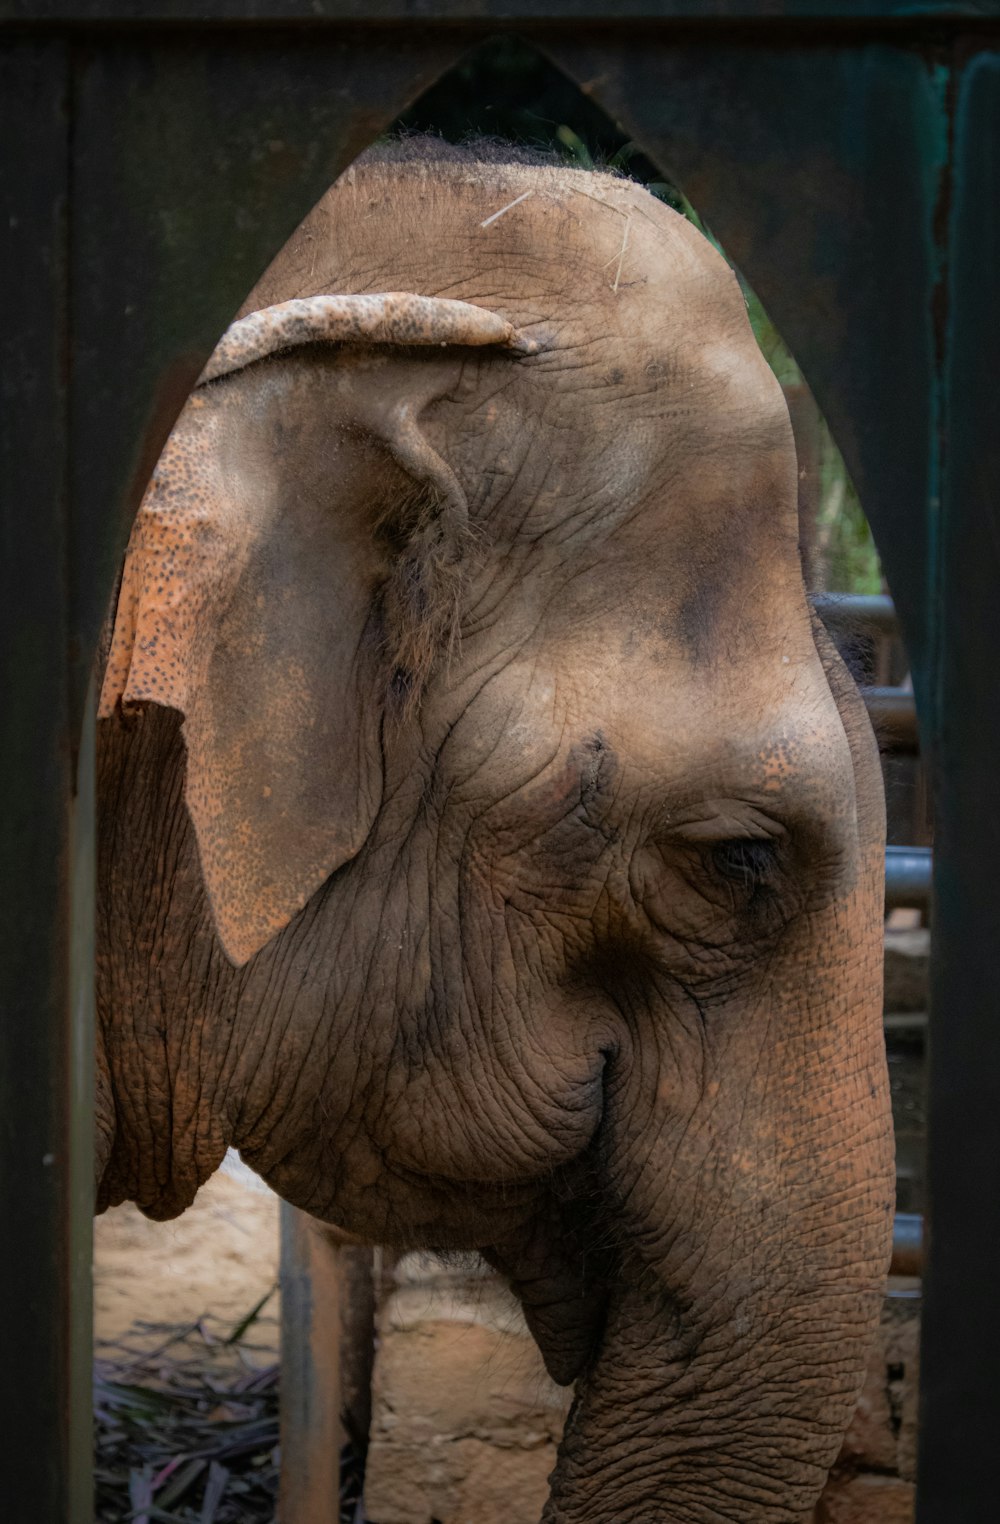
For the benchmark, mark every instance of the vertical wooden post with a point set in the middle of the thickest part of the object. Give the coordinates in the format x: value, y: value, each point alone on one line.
x: 311, y: 1430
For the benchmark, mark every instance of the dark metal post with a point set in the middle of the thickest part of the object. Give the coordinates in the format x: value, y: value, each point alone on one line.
x: 960, y: 1353
x: 46, y: 838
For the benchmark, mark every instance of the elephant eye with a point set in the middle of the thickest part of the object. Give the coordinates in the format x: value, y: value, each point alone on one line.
x: 745, y: 861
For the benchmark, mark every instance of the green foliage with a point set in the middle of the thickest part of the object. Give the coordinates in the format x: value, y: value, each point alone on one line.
x: 773, y: 347
x: 848, y: 560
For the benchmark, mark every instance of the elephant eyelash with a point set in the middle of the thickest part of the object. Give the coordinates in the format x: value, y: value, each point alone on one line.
x: 747, y: 862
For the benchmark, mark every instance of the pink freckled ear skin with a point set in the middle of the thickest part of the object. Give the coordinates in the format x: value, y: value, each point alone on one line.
x: 174, y: 566
x: 283, y: 765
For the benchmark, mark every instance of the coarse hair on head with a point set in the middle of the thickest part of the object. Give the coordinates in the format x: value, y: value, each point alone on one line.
x: 431, y: 149
x: 476, y: 154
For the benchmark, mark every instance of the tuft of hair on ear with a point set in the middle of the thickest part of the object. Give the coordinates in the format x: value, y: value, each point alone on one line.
x: 432, y: 550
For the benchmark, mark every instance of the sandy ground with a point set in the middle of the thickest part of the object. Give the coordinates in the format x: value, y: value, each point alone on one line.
x: 218, y: 1259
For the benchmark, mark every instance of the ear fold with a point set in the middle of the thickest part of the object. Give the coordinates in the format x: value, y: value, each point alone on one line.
x: 386, y: 317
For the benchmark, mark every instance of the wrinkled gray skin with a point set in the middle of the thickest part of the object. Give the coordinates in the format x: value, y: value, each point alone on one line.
x: 595, y: 988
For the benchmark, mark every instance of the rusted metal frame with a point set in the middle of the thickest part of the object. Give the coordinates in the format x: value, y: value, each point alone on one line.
x: 46, y: 841
x: 312, y: 1433
x: 960, y: 1352
x: 327, y: 1355
x: 903, y: 1022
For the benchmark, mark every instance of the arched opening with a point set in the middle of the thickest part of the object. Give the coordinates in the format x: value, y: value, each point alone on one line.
x: 512, y: 92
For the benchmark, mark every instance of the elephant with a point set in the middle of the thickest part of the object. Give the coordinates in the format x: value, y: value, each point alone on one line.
x: 490, y: 837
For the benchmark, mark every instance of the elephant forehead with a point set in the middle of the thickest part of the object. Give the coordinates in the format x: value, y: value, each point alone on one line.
x: 645, y: 348
x: 557, y: 247
x: 674, y: 539
x: 653, y: 400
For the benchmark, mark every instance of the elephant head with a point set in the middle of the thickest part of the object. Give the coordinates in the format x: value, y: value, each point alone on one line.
x: 491, y: 842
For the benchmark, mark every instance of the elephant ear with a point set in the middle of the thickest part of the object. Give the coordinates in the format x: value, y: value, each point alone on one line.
x: 250, y: 596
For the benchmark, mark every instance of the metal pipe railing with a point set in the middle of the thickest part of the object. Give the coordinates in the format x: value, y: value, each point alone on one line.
x: 893, y: 710
x: 907, y: 1244
x: 893, y: 713
x: 872, y: 613
x: 908, y: 877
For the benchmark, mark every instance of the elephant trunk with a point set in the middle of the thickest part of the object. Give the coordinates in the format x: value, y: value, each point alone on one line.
x: 751, y: 1190
x: 682, y: 1422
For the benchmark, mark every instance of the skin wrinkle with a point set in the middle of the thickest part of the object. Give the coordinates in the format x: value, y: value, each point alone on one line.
x: 529, y: 1011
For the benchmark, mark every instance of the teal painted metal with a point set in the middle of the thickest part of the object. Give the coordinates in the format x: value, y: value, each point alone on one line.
x: 961, y: 1342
